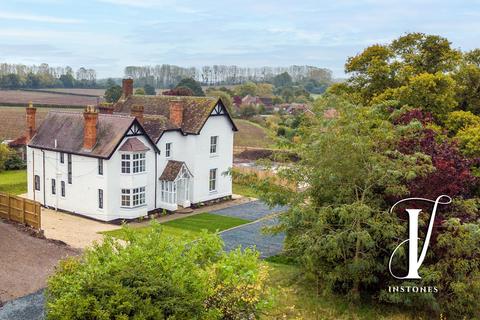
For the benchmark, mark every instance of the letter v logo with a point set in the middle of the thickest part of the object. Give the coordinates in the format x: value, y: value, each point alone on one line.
x: 414, y: 261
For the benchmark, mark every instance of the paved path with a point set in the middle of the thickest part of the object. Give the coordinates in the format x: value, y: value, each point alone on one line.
x: 251, y: 234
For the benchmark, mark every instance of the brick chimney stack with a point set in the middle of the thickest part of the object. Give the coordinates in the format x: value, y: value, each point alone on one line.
x: 30, y: 119
x: 127, y: 87
x: 176, y: 112
x: 90, y: 130
x: 105, y: 108
x: 137, y: 112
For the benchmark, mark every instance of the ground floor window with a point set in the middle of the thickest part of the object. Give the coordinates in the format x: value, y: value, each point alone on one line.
x: 169, y: 191
x: 133, y: 197
x: 37, y: 182
x: 54, y: 187
x: 62, y: 184
x: 213, y: 180
x: 100, y: 198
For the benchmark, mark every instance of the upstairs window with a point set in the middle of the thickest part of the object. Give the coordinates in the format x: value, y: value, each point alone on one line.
x: 37, y: 183
x: 125, y: 163
x: 69, y: 158
x: 138, y: 162
x: 62, y: 157
x: 100, y: 167
x: 213, y: 144
x: 213, y: 180
x: 168, y: 150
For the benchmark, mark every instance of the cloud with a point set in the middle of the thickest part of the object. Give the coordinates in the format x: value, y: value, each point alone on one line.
x: 37, y: 18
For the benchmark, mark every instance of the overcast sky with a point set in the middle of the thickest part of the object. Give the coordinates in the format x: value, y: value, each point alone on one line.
x: 108, y: 35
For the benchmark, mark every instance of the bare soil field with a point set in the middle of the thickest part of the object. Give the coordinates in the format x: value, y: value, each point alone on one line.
x: 20, y: 97
x: 91, y: 92
x: 12, y: 120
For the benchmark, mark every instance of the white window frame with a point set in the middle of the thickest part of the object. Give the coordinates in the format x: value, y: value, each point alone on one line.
x: 168, y: 150
x: 36, y: 182
x: 139, y: 161
x: 212, y: 180
x: 126, y: 163
x: 62, y: 187
x: 54, y: 187
x: 168, y: 192
x: 100, y: 199
x: 100, y: 167
x: 133, y: 198
x: 213, y: 145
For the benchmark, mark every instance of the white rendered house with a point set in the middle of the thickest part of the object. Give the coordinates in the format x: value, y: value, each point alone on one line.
x: 143, y: 154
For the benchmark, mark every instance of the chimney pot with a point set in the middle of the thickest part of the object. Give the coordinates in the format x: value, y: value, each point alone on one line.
x: 176, y: 112
x: 90, y: 127
x: 105, y: 108
x: 30, y: 119
x: 127, y: 87
x: 137, y: 112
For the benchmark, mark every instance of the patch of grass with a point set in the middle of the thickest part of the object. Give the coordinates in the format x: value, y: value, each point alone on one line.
x: 190, y: 227
x: 298, y: 299
x: 244, y: 190
x: 251, y: 134
x: 14, y: 181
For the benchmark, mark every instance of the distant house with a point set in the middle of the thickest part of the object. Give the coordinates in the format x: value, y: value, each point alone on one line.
x: 143, y: 154
x: 256, y: 101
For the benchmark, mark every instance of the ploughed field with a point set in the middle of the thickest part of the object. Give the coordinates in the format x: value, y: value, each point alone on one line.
x: 19, y: 97
x: 12, y: 120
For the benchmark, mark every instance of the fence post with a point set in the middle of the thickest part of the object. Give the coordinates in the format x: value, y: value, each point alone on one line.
x: 23, y: 211
x: 9, y: 207
x: 38, y: 210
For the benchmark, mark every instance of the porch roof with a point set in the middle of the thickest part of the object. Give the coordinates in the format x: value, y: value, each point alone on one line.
x: 172, y: 169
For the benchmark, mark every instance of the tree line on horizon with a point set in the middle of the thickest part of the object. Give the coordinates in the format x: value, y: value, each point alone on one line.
x: 168, y: 76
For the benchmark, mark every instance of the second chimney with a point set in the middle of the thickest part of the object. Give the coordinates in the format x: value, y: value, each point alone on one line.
x: 30, y: 119
x: 106, y: 108
x: 90, y: 127
x: 137, y: 112
x: 127, y: 87
x: 176, y: 113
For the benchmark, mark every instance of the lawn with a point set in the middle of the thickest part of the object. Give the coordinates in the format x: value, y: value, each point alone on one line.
x: 297, y: 299
x: 244, y: 190
x: 189, y: 227
x: 251, y: 134
x: 14, y: 182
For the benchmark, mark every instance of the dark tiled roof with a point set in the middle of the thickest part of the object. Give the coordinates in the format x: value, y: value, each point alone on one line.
x: 133, y: 145
x: 155, y: 125
x: 171, y: 170
x: 19, y: 142
x: 67, y: 128
x: 196, y: 111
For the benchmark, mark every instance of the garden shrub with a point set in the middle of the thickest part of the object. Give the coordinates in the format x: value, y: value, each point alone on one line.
x: 154, y: 277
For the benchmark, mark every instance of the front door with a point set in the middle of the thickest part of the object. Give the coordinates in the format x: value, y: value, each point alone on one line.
x: 183, y: 192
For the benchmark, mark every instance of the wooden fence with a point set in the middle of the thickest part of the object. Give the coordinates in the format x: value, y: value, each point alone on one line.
x: 20, y: 210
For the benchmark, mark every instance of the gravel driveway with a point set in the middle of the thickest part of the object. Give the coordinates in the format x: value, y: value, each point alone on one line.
x: 26, y: 261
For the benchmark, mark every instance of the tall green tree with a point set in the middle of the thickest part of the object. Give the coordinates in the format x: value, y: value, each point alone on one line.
x: 192, y: 85
x: 113, y: 93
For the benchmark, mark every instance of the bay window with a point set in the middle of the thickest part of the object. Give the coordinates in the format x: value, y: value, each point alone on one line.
x: 133, y: 197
